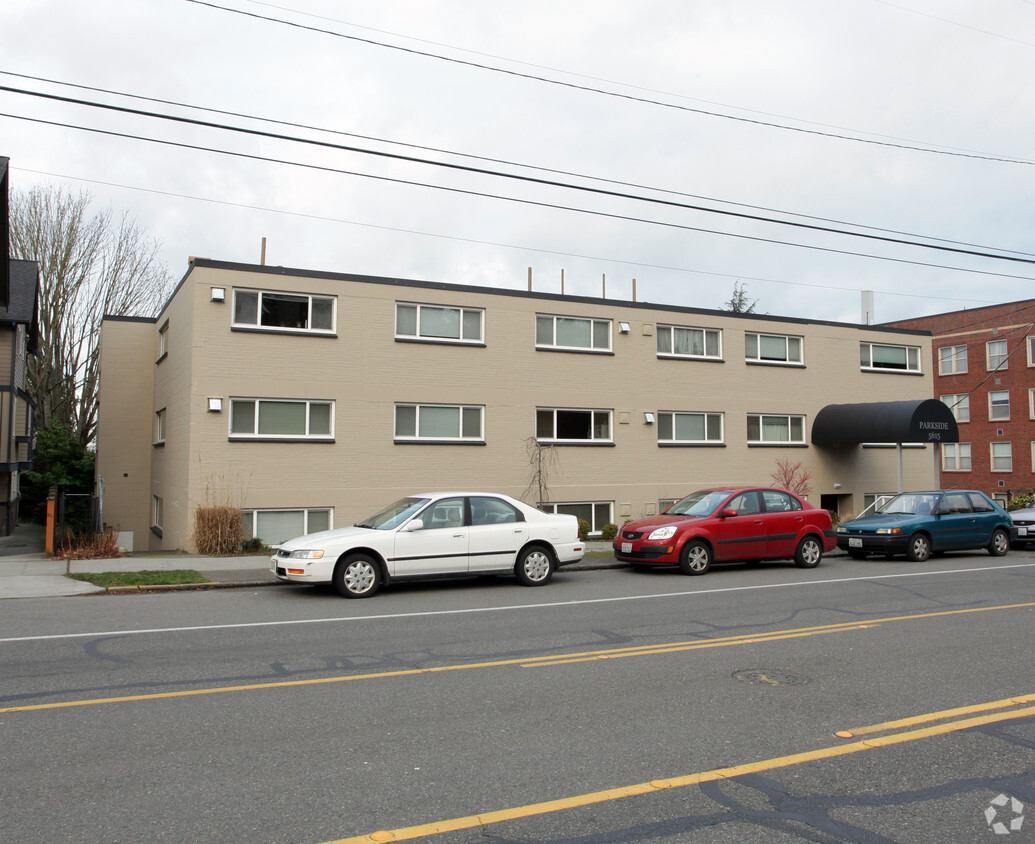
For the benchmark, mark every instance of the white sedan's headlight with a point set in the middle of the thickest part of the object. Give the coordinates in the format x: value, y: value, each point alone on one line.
x: 306, y: 554
x: 666, y: 532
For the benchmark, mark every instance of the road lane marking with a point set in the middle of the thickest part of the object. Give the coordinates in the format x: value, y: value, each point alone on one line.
x: 525, y: 662
x: 935, y: 716
x: 550, y: 806
x: 507, y: 608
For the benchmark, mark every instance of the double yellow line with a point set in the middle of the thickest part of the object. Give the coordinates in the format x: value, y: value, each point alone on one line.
x: 1011, y: 708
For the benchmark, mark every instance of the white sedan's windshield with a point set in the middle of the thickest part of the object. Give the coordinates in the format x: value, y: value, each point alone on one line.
x: 698, y: 503
x: 911, y: 503
x: 394, y: 514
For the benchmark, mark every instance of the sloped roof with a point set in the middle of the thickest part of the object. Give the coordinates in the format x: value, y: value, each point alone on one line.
x: 23, y: 303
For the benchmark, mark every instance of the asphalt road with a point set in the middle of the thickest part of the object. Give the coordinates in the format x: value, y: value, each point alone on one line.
x: 610, y: 706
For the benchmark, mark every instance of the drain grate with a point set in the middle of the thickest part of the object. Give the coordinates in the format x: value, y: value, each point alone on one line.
x: 769, y: 677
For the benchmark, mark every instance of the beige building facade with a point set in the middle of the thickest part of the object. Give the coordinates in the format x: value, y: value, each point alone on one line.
x: 311, y: 399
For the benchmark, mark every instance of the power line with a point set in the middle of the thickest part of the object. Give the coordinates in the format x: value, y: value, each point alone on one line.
x: 601, y: 179
x: 517, y: 200
x: 543, y: 182
x: 616, y: 94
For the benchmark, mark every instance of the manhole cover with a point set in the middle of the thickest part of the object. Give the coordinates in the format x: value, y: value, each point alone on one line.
x: 769, y: 677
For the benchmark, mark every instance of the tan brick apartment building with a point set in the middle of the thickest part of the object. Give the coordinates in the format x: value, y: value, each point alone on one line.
x: 985, y: 372
x: 310, y: 399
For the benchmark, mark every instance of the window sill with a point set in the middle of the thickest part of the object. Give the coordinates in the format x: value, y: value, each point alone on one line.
x: 164, y: 355
x: 438, y: 442
x: 319, y: 440
x: 156, y: 530
x: 160, y: 444
x: 691, y: 445
x: 575, y: 443
x: 697, y: 358
x: 778, y: 445
x: 882, y: 371
x: 567, y: 351
x: 292, y: 332
x: 782, y: 363
x: 478, y: 344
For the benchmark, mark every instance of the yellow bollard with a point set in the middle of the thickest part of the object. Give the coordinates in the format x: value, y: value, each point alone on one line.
x: 51, y: 520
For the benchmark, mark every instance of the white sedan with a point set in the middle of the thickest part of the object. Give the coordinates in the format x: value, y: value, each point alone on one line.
x: 436, y: 534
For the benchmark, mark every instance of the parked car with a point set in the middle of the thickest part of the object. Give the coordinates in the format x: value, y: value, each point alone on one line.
x: 1024, y: 523
x: 435, y: 534
x: 728, y: 525
x: 919, y: 524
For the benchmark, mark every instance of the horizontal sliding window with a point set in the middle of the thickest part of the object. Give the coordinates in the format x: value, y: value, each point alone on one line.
x: 436, y: 323
x: 557, y: 424
x: 683, y: 342
x: 437, y: 422
x: 284, y: 311
x: 564, y: 332
x: 272, y: 527
x: 772, y: 348
x: 597, y: 514
x: 281, y: 419
x: 880, y: 356
x: 675, y: 427
x: 773, y: 428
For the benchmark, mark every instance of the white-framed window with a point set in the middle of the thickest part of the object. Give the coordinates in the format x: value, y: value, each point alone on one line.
x: 998, y: 405
x: 163, y: 341
x: 1033, y: 456
x: 1031, y: 402
x: 157, y: 512
x: 273, y: 527
x: 956, y: 457
x: 595, y: 513
x: 773, y: 348
x: 688, y: 427
x: 1002, y: 457
x: 572, y: 425
x: 876, y: 498
x: 959, y: 404
x: 160, y: 426
x: 882, y: 357
x: 439, y: 422
x: 553, y: 331
x: 682, y: 341
x: 439, y: 323
x: 1029, y: 343
x: 952, y: 360
x: 772, y: 428
x: 267, y: 310
x: 281, y: 419
x: 997, y: 355
x: 665, y: 503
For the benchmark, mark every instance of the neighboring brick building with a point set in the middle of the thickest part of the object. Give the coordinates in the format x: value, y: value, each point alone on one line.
x: 986, y: 373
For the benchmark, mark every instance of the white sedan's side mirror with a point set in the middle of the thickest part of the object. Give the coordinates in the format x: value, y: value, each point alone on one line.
x: 413, y: 524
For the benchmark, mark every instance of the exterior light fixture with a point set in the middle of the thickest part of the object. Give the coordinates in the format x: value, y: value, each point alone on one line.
x: 648, y: 418
x: 218, y: 294
x: 215, y: 405
x: 623, y: 328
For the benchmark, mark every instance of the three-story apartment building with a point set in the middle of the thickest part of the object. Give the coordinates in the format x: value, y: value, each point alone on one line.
x: 310, y: 399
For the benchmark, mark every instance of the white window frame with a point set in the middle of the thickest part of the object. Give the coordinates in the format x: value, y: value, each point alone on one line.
x: 1003, y: 408
x: 786, y: 360
x: 1031, y: 402
x: 959, y: 405
x: 709, y: 418
x: 789, y: 417
x: 1003, y: 357
x: 163, y: 341
x: 160, y: 426
x: 594, y: 528
x: 292, y: 329
x: 1033, y: 455
x: 426, y: 407
x: 551, y: 342
x: 1029, y: 342
x: 420, y: 335
x: 157, y: 511
x: 956, y: 457
x: 308, y: 436
x: 252, y: 512
x: 594, y: 414
x: 1006, y: 449
x: 953, y: 363
x: 715, y: 334
x: 866, y: 348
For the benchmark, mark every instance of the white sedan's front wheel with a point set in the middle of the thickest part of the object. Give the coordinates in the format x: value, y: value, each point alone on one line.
x: 357, y: 576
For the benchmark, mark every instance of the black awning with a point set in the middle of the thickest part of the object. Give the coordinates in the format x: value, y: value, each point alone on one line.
x: 920, y: 421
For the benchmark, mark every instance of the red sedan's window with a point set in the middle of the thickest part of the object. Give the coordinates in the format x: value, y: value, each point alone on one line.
x: 779, y: 502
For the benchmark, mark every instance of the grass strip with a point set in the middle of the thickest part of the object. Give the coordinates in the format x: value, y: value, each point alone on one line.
x: 108, y: 579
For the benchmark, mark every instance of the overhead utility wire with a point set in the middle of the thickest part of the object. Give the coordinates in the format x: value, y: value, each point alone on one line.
x: 516, y: 177
x: 519, y: 247
x: 616, y: 94
x: 491, y: 160
x: 467, y: 192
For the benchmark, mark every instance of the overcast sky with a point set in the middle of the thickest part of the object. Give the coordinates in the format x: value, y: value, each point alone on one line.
x: 914, y: 117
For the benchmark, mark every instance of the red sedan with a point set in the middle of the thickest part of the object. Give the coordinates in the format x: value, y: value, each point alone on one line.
x: 729, y: 525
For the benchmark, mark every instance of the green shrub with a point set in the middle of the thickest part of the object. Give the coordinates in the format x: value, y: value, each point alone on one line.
x: 609, y: 532
x: 583, y: 529
x: 1021, y: 502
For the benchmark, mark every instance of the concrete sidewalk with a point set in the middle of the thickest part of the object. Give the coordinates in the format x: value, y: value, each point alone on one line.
x: 27, y: 572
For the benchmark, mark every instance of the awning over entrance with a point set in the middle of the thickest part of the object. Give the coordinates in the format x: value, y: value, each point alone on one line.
x: 921, y: 421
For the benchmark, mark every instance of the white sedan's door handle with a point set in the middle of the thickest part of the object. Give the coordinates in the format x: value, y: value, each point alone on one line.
x: 458, y: 536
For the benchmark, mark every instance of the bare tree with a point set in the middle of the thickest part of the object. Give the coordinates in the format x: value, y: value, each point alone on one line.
x: 793, y: 477
x: 542, y: 460
x: 90, y: 266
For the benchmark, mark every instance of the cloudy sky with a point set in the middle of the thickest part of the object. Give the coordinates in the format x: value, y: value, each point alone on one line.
x: 825, y: 132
